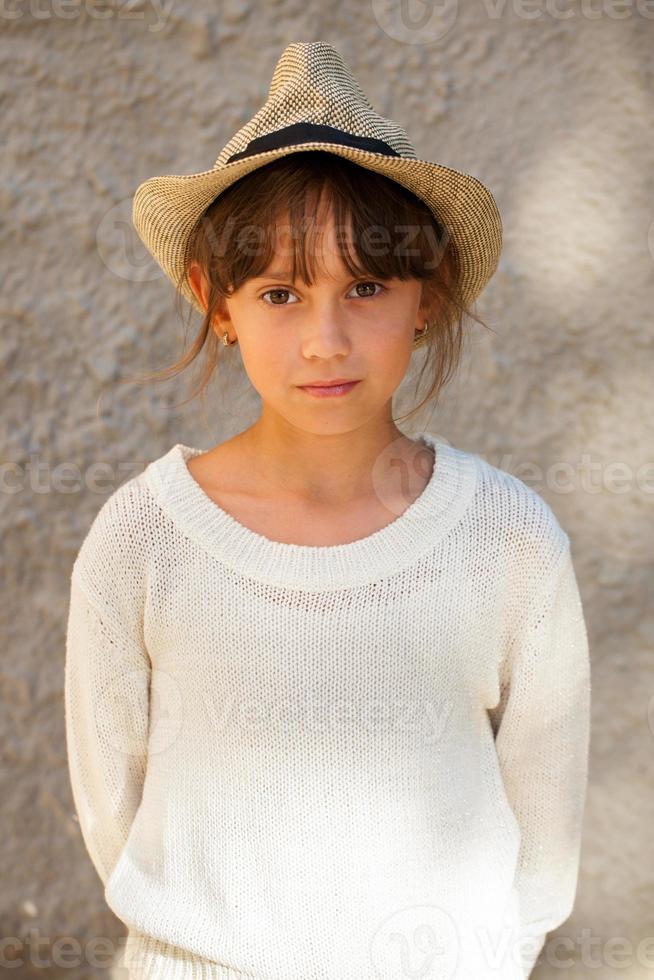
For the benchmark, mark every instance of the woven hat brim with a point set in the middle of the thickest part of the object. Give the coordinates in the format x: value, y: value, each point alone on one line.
x: 166, y: 208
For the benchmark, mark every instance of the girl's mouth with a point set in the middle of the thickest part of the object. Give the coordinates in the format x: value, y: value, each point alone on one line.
x: 329, y: 391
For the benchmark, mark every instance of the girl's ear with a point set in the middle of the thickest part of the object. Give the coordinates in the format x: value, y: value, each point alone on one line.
x: 200, y: 287
x: 198, y: 284
x: 426, y: 308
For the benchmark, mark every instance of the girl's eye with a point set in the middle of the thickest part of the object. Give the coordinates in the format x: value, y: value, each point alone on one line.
x: 367, y: 285
x: 276, y: 292
x: 287, y: 292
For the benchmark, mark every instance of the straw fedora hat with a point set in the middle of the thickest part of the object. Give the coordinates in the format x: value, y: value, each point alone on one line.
x: 315, y: 103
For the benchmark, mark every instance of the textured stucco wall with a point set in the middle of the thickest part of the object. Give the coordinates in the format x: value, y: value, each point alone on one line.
x: 554, y: 111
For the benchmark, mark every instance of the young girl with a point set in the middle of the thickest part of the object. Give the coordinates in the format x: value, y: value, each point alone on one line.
x: 327, y: 686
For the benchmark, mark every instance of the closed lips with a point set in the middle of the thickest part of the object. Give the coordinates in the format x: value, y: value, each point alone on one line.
x: 329, y: 384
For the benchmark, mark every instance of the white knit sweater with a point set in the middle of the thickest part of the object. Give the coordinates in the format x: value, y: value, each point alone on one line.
x: 364, y: 761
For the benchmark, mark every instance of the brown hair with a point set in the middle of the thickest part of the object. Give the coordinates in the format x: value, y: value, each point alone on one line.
x: 414, y: 244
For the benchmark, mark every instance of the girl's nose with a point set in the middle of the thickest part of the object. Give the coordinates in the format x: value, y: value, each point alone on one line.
x: 325, y: 333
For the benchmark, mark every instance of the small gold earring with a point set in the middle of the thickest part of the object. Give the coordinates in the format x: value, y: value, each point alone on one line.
x: 227, y: 342
x: 422, y: 333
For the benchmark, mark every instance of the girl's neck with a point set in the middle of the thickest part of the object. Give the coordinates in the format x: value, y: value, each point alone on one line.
x: 334, y: 470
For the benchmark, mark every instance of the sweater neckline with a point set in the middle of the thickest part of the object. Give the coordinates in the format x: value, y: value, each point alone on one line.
x: 384, y: 552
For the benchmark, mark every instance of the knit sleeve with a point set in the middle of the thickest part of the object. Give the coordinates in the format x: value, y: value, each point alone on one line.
x: 542, y: 730
x: 107, y: 676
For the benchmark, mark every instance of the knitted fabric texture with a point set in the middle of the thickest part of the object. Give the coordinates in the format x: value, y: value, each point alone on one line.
x: 293, y: 762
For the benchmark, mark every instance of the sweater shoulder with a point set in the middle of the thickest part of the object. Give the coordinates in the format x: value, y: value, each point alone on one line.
x: 112, y: 562
x: 517, y: 524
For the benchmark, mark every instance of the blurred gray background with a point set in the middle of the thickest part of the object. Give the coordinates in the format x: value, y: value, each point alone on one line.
x: 550, y: 105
